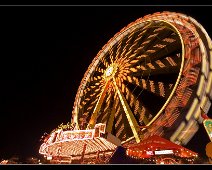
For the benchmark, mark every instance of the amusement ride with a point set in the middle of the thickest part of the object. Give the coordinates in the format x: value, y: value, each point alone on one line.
x: 153, y: 78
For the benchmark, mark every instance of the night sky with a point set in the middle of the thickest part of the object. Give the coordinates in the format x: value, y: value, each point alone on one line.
x: 44, y: 53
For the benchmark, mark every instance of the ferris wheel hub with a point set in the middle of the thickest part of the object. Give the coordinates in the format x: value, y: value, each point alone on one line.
x: 110, y: 71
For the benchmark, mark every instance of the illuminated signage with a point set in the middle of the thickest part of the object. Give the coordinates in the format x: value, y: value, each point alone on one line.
x: 78, y: 134
x: 61, y: 135
x: 149, y: 152
x: 162, y: 152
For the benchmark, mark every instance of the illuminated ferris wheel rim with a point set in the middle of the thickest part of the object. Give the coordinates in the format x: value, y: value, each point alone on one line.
x: 110, y: 69
x: 140, y: 22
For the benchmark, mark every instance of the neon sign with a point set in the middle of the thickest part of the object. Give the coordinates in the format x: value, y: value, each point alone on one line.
x: 163, y: 152
x: 149, y: 152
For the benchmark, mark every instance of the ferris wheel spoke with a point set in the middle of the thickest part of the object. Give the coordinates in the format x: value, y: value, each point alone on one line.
x: 130, y: 117
x: 93, y: 89
x: 143, y: 111
x: 121, y: 44
x: 139, y: 109
x: 105, y: 109
x: 87, y: 100
x: 145, y: 71
x: 97, y: 108
x: 96, y: 81
x: 152, y: 62
x: 138, y: 38
x: 159, y: 88
x: 99, y: 70
x: 165, y: 48
x: 142, y: 114
x: 111, y: 55
x: 129, y: 44
x: 105, y: 62
x: 171, y: 60
x: 112, y: 115
x: 156, y: 38
x: 125, y: 50
x: 125, y: 45
x: 145, y: 42
x: 128, y: 49
x: 87, y: 104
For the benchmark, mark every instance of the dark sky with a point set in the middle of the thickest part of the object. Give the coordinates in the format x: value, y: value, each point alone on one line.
x: 44, y: 53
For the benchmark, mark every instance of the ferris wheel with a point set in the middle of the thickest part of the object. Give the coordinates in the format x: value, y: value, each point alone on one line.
x: 151, y: 78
